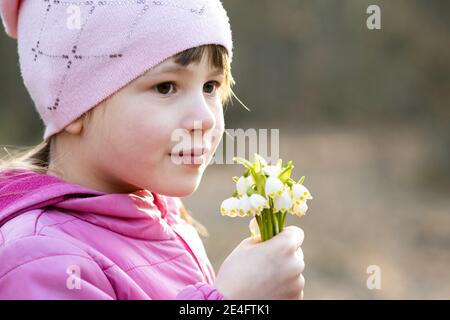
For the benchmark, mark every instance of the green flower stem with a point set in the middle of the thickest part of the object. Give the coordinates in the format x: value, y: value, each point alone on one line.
x: 269, y: 224
x: 283, y: 221
x: 260, y: 225
x: 276, y: 229
x: 264, y: 228
x: 280, y: 215
x: 279, y: 221
x: 276, y: 217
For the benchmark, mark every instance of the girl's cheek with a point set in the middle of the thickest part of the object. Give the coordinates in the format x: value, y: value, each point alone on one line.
x: 154, y: 134
x: 220, y: 126
x: 217, y: 134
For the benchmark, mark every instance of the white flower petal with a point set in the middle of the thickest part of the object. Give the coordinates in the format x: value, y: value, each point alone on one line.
x: 245, y: 208
x: 299, y: 191
x: 230, y: 207
x: 272, y: 171
x: 299, y: 209
x: 303, y: 207
x: 258, y: 203
x: 282, y: 202
x: 273, y: 187
x: 254, y: 229
x: 243, y: 184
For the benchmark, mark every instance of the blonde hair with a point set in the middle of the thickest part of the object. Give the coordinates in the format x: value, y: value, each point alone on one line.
x: 37, y: 158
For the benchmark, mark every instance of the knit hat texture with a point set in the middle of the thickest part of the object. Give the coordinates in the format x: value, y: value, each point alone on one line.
x: 75, y: 54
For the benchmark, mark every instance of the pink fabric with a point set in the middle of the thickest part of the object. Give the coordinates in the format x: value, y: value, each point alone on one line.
x: 74, y: 54
x: 64, y: 241
x: 200, y: 291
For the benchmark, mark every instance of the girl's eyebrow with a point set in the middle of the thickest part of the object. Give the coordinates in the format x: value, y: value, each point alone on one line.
x: 172, y: 69
x: 178, y: 68
x: 168, y: 69
x: 216, y: 72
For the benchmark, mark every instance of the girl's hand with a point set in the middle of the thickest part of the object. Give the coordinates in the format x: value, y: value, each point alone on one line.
x: 264, y: 270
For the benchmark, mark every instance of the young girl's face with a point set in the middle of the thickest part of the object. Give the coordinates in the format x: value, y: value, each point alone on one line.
x: 128, y: 141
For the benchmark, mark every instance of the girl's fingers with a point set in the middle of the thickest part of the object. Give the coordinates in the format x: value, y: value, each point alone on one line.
x: 299, y: 254
x: 290, y: 239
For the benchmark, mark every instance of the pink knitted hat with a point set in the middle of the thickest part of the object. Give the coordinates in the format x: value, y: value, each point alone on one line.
x: 74, y: 54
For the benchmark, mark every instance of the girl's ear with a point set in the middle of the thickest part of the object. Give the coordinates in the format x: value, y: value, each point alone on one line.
x: 76, y: 127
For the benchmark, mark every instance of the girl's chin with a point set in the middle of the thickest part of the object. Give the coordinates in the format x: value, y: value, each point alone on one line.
x: 181, y: 190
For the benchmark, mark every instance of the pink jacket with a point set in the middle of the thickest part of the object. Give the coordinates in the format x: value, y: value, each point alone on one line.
x: 64, y: 241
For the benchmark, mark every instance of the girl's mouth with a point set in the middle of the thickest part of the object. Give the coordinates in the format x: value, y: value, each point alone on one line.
x: 188, y: 159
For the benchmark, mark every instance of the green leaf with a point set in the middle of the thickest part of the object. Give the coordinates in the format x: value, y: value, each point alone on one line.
x: 244, y: 162
x: 301, y: 180
x: 256, y: 165
x: 235, y: 193
x: 286, y: 173
x: 235, y: 179
x: 260, y: 182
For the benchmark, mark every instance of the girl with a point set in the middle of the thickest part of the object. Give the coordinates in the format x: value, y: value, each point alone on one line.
x: 94, y: 211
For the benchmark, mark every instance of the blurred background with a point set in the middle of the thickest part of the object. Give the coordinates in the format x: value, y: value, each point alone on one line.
x: 363, y: 114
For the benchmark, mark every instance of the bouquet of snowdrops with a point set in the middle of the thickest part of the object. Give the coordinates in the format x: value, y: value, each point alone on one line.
x: 267, y: 193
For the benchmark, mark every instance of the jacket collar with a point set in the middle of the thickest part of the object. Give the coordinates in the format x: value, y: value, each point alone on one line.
x: 141, y: 214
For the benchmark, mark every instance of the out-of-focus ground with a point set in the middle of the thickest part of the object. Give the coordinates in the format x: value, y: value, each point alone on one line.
x: 374, y: 204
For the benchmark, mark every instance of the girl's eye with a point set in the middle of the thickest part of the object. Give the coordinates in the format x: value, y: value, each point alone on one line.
x: 165, y: 88
x: 210, y: 86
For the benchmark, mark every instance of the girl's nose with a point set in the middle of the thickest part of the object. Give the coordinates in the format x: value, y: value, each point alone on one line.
x: 200, y: 115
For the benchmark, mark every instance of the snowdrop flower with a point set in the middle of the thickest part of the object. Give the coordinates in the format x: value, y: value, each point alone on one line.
x: 245, y: 209
x: 265, y: 191
x: 243, y: 184
x: 299, y: 209
x: 272, y: 171
x: 282, y: 202
x: 273, y: 187
x: 258, y: 203
x: 300, y: 193
x: 230, y: 207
